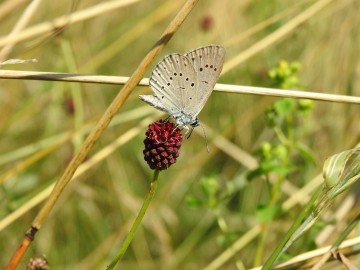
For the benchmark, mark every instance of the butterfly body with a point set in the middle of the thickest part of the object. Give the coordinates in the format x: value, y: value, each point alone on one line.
x: 183, y: 83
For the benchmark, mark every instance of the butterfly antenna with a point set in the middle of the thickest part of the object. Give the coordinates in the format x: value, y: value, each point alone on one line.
x: 206, y: 141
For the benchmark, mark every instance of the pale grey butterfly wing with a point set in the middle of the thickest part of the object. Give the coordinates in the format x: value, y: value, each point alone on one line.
x: 183, y: 83
x: 208, y: 62
x: 174, y: 84
x: 154, y: 101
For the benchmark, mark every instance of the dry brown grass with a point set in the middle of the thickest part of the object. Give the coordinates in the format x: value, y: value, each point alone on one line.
x: 39, y: 135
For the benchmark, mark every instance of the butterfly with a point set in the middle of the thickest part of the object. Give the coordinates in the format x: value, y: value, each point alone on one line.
x: 183, y: 83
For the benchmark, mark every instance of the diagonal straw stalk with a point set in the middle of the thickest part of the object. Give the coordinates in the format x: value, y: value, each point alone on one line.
x: 98, y: 130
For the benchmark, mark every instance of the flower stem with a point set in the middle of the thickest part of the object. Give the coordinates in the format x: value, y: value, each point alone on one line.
x: 130, y: 236
x: 280, y: 248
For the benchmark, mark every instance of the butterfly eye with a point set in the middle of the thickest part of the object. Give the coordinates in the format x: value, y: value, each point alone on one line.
x: 201, y: 69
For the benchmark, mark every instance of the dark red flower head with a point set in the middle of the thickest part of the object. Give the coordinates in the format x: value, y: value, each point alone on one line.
x: 162, y: 144
x: 206, y: 22
x: 69, y: 106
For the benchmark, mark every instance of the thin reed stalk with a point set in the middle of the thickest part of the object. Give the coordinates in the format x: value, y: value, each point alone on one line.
x: 235, y: 89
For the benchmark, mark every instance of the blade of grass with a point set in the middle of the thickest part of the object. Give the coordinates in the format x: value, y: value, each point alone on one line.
x: 83, y: 168
x: 130, y: 36
x: 22, y: 22
x: 276, y: 35
x: 63, y: 21
x: 306, y: 212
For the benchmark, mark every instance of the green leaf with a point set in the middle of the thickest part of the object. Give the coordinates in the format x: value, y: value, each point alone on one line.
x: 305, y: 105
x: 209, y: 185
x: 255, y: 173
x: 284, y: 106
x: 227, y: 238
x: 306, y: 153
x: 266, y: 213
x: 283, y: 170
x: 193, y: 201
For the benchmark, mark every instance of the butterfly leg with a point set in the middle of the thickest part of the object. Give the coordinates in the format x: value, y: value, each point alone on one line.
x: 188, y: 131
x: 167, y: 119
x: 177, y: 126
x: 180, y: 124
x: 191, y: 131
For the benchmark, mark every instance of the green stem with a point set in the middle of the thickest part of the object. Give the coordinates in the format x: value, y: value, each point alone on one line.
x: 260, y: 246
x: 306, y: 212
x: 346, y: 232
x: 130, y: 236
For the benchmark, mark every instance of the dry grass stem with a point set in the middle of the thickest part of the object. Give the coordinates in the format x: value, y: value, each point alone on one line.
x: 236, y: 89
x: 131, y: 35
x: 67, y: 20
x: 18, y: 61
x: 263, y: 24
x: 286, y: 93
x: 312, y: 254
x: 8, y: 6
x: 83, y: 168
x: 210, y: 214
x: 276, y: 35
x: 21, y: 23
x: 254, y: 232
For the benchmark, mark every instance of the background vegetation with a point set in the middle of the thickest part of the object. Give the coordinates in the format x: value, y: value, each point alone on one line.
x: 207, y: 201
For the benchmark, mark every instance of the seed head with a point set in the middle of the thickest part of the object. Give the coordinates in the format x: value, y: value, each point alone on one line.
x: 37, y: 264
x: 162, y: 144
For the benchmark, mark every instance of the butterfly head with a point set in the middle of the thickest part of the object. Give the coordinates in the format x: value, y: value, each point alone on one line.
x: 194, y: 122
